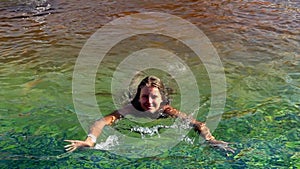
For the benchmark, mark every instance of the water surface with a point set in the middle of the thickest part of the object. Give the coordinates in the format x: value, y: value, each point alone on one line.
x: 257, y: 41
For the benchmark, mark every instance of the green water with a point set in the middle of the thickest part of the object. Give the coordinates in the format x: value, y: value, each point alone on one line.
x: 258, y: 43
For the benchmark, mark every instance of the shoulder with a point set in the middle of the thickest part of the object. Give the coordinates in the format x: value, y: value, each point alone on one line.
x: 167, y: 109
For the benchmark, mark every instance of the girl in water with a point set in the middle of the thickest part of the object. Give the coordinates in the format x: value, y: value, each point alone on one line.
x: 150, y: 101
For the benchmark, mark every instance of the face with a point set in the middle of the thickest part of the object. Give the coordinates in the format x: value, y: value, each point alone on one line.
x: 150, y: 99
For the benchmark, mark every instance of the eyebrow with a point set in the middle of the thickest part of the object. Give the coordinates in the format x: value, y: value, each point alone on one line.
x: 156, y: 95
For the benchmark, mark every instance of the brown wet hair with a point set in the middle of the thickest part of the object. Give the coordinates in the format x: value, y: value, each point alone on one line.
x: 150, y: 81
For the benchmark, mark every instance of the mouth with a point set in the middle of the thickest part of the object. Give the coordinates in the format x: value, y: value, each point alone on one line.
x: 149, y: 107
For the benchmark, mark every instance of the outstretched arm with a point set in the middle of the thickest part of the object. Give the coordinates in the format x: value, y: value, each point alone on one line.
x: 94, y: 132
x: 202, y: 129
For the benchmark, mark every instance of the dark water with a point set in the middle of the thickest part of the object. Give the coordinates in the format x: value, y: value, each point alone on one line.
x: 257, y: 41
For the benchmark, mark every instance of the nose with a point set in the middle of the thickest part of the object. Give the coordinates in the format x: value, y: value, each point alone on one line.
x: 149, y: 100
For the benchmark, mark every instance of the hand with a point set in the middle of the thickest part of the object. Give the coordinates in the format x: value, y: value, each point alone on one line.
x: 76, y: 144
x: 221, y: 144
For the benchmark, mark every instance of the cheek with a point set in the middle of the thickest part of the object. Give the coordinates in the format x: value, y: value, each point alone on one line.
x: 158, y: 102
x: 141, y: 100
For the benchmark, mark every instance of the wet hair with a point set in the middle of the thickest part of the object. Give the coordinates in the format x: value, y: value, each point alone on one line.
x: 150, y: 81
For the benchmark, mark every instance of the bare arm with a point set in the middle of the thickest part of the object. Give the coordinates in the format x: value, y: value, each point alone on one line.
x: 202, y: 129
x: 94, y: 132
x: 199, y: 126
x: 98, y: 126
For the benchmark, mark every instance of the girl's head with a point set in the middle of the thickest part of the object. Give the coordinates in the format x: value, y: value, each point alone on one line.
x: 150, y: 95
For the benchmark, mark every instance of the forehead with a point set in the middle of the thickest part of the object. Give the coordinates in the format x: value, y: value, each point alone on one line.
x: 150, y: 90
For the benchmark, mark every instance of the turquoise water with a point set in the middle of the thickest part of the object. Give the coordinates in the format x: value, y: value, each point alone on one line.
x: 257, y: 41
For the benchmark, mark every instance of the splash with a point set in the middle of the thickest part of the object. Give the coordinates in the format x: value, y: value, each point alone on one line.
x: 152, y: 131
x: 110, y: 142
x: 183, y: 124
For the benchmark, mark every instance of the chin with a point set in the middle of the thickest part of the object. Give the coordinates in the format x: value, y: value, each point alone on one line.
x: 150, y: 111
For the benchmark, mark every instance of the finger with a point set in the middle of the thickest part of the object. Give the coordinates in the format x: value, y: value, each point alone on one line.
x: 67, y: 146
x: 230, y: 149
x: 73, y: 149
x: 70, y: 149
x: 67, y: 150
x: 70, y: 141
x: 227, y: 148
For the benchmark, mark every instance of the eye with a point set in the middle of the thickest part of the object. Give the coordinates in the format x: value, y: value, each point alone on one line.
x: 145, y: 96
x: 154, y: 96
